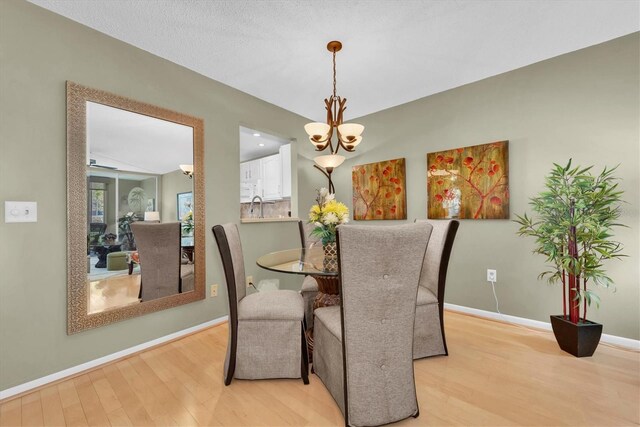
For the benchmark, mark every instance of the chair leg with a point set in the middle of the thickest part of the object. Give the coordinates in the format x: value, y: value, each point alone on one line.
x: 304, y: 369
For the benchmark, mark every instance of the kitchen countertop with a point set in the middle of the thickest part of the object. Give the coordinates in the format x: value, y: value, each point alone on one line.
x: 259, y: 220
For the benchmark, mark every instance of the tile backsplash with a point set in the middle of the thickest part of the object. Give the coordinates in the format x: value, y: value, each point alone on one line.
x: 277, y: 209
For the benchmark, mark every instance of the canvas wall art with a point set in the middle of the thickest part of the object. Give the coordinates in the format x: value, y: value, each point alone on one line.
x: 469, y: 183
x: 379, y: 190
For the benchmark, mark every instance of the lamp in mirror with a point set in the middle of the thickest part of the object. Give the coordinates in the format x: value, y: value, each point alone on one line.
x: 187, y: 170
x: 152, y: 216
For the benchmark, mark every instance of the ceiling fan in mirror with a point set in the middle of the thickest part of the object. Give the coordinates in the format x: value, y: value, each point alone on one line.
x: 94, y: 164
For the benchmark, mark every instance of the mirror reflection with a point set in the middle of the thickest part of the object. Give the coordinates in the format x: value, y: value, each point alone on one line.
x: 140, y: 221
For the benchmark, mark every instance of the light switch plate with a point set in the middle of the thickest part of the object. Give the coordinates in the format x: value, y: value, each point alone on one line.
x: 20, y: 211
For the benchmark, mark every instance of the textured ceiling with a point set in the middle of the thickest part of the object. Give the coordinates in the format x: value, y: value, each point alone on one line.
x: 394, y: 51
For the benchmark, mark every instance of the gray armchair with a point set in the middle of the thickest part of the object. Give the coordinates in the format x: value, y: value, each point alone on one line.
x: 266, y: 329
x: 363, y: 349
x: 429, y: 338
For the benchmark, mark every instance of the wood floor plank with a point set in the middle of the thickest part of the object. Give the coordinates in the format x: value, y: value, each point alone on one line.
x: 118, y: 417
x: 91, y: 404
x: 11, y: 413
x: 71, y: 406
x: 52, y: 412
x: 32, y: 410
x: 126, y: 396
x: 495, y: 375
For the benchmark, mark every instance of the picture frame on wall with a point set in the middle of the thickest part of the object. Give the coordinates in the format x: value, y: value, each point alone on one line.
x: 379, y: 190
x: 185, y: 204
x: 469, y: 182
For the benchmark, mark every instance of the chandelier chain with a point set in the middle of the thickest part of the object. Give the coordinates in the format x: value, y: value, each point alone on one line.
x: 334, y: 73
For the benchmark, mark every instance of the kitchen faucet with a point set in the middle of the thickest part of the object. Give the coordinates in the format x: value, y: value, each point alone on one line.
x: 251, y: 206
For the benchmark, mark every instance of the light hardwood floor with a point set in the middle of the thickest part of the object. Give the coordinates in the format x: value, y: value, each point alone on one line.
x: 496, y: 375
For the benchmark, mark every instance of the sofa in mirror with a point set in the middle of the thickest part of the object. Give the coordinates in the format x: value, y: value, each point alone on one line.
x: 135, y: 200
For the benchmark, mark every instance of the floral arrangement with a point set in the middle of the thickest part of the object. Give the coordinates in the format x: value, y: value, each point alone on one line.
x: 187, y: 223
x: 326, y: 215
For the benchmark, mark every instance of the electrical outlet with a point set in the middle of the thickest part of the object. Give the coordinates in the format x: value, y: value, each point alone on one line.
x: 214, y: 291
x: 492, y: 275
x: 249, y: 281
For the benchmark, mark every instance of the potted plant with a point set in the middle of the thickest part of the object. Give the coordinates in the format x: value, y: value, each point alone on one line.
x: 575, y: 216
x: 124, y: 225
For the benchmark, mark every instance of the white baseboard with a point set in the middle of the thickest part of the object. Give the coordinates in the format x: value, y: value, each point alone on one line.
x: 5, y: 394
x: 606, y: 338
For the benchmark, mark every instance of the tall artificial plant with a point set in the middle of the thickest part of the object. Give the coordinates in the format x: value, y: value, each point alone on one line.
x: 573, y: 229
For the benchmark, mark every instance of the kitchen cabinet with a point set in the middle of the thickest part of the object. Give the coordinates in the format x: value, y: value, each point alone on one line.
x: 268, y: 177
x: 285, y: 160
x: 250, y: 171
x: 272, y: 177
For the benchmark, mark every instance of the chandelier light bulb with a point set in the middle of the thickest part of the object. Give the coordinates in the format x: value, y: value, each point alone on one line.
x: 350, y: 131
x: 317, y: 131
x: 329, y: 161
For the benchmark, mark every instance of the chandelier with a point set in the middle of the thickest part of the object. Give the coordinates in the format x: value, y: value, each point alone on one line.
x: 321, y: 135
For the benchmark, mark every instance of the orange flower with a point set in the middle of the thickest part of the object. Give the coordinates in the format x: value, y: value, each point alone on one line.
x: 440, y: 182
x: 379, y: 212
x: 388, y: 195
x: 496, y: 167
x: 468, y: 160
x: 439, y: 197
x: 398, y: 190
x: 362, y: 171
x: 438, y: 160
x: 449, y: 160
x: 495, y: 200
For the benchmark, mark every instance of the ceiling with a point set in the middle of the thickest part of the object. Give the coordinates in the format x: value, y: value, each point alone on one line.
x: 395, y: 51
x: 255, y: 144
x: 134, y: 142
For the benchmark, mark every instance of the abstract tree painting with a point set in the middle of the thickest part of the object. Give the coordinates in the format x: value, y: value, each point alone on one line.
x: 469, y: 183
x: 379, y: 190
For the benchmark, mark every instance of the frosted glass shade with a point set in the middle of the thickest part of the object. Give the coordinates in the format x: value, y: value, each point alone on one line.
x: 352, y: 144
x: 317, y: 130
x: 187, y: 169
x: 350, y: 130
x: 152, y: 216
x: 329, y: 161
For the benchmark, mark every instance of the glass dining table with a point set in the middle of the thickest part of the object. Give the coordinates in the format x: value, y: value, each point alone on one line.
x: 309, y: 262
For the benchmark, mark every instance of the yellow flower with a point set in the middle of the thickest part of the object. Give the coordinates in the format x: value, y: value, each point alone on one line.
x: 315, y: 213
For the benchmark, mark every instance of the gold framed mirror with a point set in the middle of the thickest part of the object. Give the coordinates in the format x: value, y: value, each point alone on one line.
x: 135, y: 174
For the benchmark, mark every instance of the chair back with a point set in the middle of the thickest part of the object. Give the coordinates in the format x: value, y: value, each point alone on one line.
x: 379, y: 269
x: 159, y: 251
x: 436, y: 262
x: 228, y: 239
x: 306, y: 239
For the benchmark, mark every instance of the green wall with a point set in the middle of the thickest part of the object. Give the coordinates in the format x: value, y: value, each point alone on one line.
x: 173, y: 183
x: 39, y: 51
x: 583, y: 105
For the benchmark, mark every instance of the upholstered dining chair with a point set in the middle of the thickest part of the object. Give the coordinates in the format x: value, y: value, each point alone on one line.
x: 159, y: 255
x: 363, y: 349
x: 266, y: 329
x: 309, y: 288
x: 429, y: 338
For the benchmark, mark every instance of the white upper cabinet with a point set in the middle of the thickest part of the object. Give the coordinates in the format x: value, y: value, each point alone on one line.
x: 285, y: 159
x: 268, y: 177
x: 272, y: 177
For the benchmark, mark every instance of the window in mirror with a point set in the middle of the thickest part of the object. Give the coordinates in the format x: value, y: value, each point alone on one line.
x: 265, y: 175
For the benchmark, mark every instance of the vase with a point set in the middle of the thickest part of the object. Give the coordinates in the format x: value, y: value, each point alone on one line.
x: 581, y: 339
x: 330, y: 262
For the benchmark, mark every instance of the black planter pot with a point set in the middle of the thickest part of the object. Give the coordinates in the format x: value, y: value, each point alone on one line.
x: 580, y: 340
